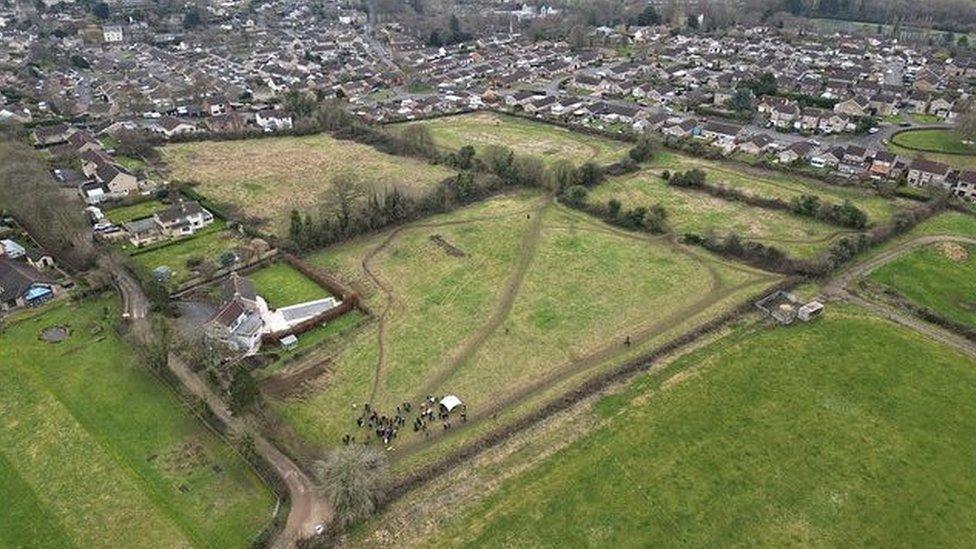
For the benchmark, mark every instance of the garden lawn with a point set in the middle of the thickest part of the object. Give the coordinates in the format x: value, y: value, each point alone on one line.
x: 208, y: 244
x: 933, y: 140
x: 772, y: 184
x: 281, y: 285
x: 125, y: 214
x: 932, y: 278
x: 691, y: 211
x: 524, y: 137
x: 98, y: 453
x: 583, y: 288
x: 848, y: 430
x: 265, y: 179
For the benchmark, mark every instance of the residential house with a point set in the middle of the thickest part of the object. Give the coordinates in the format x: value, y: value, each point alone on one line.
x: 171, y: 126
x: 183, y: 218
x: 273, y: 120
x: 22, y: 285
x: 757, y: 145
x: 721, y: 134
x: 116, y: 179
x: 799, y: 150
x: 922, y: 172
x: 965, y: 186
x: 855, y: 106
x: 238, y: 322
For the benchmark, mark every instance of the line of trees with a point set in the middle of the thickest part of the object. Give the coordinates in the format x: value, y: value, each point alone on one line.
x: 845, y: 214
x: 50, y: 213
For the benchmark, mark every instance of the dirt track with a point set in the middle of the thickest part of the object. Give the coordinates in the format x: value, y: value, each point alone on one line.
x: 715, y: 294
x: 838, y: 289
x: 388, y: 293
x: 306, y: 509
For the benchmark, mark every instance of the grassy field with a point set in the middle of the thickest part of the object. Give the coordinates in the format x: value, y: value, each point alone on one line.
x: 773, y: 184
x: 208, y: 244
x: 941, y: 277
x: 523, y: 136
x: 281, y: 285
x: 933, y: 140
x: 815, y: 435
x: 532, y: 293
x: 696, y: 212
x: 97, y: 453
x: 265, y: 179
x: 124, y: 214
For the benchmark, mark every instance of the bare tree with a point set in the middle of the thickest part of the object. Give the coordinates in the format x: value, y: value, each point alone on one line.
x: 352, y: 479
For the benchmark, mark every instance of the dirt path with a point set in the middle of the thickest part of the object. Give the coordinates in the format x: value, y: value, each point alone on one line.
x: 306, y: 509
x: 838, y: 289
x: 527, y: 249
x: 574, y: 367
x: 388, y: 293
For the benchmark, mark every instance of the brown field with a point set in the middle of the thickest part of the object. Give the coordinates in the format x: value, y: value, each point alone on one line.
x: 263, y: 180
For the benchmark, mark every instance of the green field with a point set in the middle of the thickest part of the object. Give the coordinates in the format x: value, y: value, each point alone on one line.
x: 933, y: 140
x: 525, y: 137
x: 125, y: 214
x: 539, y: 294
x: 941, y: 277
x: 281, y: 285
x: 263, y: 180
x: 97, y: 453
x: 691, y: 211
x: 820, y: 434
x: 773, y: 184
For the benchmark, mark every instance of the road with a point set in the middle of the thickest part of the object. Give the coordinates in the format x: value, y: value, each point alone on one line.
x: 307, y: 509
x: 837, y: 289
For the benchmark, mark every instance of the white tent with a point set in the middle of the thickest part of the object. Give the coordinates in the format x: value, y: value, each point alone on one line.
x: 450, y: 402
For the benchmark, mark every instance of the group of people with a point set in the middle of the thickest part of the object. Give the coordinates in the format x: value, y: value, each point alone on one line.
x: 385, y: 428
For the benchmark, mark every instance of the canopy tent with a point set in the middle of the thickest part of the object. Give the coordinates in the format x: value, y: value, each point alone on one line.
x: 449, y: 403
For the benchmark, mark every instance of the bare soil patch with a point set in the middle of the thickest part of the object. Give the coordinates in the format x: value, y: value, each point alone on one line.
x: 953, y: 251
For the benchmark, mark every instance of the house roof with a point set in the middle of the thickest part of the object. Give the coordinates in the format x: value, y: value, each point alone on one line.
x: 17, y: 277
x: 237, y: 286
x: 179, y: 211
x: 929, y: 166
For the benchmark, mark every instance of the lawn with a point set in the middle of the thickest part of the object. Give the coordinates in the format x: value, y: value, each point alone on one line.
x: 933, y: 140
x: 281, y: 285
x: 265, y: 179
x: 691, y: 211
x: 525, y: 137
x: 498, y: 303
x: 208, y: 244
x: 125, y: 214
x: 941, y: 277
x: 846, y: 430
x: 97, y: 453
x: 769, y: 183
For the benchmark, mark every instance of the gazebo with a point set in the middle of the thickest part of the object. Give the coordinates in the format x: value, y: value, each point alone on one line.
x: 449, y: 403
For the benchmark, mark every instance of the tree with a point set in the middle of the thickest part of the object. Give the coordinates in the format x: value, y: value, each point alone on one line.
x: 764, y: 85
x: 649, y: 17
x: 100, y: 10
x: 135, y: 144
x: 865, y: 123
x: 966, y: 124
x: 643, y: 150
x: 577, y: 37
x: 613, y: 206
x: 352, y: 479
x: 243, y: 391
x: 741, y: 100
x: 575, y: 195
x: 299, y: 103
x: 588, y: 175
x: 693, y: 22
x: 191, y: 19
